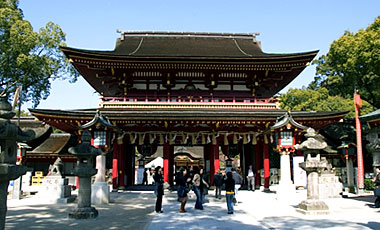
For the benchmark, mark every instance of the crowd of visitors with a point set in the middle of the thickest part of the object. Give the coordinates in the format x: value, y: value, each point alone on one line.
x: 196, y: 180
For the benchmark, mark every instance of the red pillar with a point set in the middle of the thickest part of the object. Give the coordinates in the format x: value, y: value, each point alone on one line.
x: 166, y: 161
x: 213, y: 151
x: 216, y: 157
x: 358, y: 104
x: 115, y: 153
x: 266, y: 163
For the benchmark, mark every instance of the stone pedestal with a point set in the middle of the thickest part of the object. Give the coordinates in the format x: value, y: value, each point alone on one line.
x: 55, y: 189
x: 313, y: 206
x: 100, y: 192
x: 84, y: 209
x: 286, y: 189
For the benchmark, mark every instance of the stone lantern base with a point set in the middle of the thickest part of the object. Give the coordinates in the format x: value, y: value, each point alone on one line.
x: 313, y: 207
x: 83, y: 213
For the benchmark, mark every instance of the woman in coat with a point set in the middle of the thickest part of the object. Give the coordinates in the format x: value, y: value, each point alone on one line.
x: 159, y: 188
x: 197, y: 180
x: 182, y: 191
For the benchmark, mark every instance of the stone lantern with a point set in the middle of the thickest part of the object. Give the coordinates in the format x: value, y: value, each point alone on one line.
x: 85, y: 154
x: 313, y: 166
x: 101, y: 130
x: 284, y: 131
x: 10, y: 134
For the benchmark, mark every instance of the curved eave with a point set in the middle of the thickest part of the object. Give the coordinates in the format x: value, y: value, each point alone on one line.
x: 176, y: 113
x: 110, y: 56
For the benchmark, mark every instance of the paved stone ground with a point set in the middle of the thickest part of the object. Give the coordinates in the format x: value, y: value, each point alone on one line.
x: 257, y: 210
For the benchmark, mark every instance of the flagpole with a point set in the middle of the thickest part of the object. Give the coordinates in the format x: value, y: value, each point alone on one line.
x: 358, y: 104
x: 19, y: 108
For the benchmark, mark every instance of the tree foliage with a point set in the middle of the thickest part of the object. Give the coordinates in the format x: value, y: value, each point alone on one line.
x: 352, y: 63
x: 307, y: 99
x: 28, y: 58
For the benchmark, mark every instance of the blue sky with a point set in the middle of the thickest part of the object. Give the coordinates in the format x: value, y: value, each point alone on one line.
x: 284, y: 26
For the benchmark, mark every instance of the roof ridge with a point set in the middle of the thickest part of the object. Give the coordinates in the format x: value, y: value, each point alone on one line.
x: 187, y: 34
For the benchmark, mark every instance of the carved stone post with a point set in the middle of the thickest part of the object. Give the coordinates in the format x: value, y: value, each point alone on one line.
x: 312, y: 205
x: 85, y: 153
x: 313, y: 165
x: 10, y: 134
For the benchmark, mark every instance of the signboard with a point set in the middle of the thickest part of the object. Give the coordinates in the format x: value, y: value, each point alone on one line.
x: 300, y: 176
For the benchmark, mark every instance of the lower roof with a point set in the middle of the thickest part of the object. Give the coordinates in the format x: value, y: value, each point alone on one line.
x: 69, y: 120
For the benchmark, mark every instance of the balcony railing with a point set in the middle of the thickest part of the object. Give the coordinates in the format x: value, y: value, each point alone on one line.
x: 122, y: 102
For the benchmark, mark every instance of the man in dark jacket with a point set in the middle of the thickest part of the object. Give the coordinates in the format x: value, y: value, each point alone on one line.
x: 218, y: 182
x: 230, y: 187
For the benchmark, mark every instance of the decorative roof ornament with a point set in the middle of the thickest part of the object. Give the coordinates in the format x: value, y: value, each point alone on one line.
x: 285, y: 120
x: 99, y: 119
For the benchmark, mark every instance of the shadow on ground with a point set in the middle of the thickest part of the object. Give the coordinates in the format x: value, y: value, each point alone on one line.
x: 133, y: 212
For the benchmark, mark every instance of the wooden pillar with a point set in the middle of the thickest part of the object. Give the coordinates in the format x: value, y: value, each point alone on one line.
x: 266, y: 163
x: 121, y: 166
x: 166, y: 161
x: 207, y: 149
x: 130, y: 164
x: 171, y: 165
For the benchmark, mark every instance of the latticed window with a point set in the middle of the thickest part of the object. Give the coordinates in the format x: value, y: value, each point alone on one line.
x: 100, y: 138
x: 286, y: 138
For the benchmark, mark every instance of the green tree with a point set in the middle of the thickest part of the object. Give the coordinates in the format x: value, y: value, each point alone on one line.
x: 307, y: 99
x: 28, y: 58
x: 352, y: 63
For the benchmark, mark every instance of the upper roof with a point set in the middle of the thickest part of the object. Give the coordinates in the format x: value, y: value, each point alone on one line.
x: 187, y: 45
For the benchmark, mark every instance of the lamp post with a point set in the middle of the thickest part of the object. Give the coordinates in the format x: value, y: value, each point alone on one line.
x: 284, y: 130
x: 101, y: 131
x: 348, y: 152
x: 84, y: 170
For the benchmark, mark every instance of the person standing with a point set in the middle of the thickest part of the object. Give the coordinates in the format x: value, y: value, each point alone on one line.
x: 251, y: 179
x: 196, y: 188
x: 204, y: 185
x: 145, y: 177
x: 238, y: 180
x: 159, y: 188
x: 218, y: 182
x: 377, y: 188
x: 230, y: 191
x: 182, y: 180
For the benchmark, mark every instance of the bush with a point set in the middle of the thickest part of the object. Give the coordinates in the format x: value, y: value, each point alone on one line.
x: 369, y: 184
